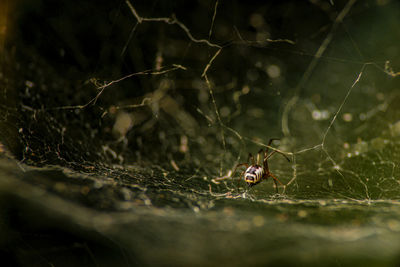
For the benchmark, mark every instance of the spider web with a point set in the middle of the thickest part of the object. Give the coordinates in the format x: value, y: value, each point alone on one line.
x: 173, y: 104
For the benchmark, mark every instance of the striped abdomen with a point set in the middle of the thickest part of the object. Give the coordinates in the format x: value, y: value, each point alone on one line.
x: 253, y: 175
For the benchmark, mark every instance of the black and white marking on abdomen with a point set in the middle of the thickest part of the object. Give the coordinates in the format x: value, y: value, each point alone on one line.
x: 254, y: 174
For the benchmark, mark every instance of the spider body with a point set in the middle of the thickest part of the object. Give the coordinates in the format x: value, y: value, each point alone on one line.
x: 257, y: 172
x: 254, y: 174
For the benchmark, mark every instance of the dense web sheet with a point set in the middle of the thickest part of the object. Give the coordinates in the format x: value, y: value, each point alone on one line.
x: 319, y: 124
x: 308, y: 112
x: 313, y: 120
x: 174, y: 103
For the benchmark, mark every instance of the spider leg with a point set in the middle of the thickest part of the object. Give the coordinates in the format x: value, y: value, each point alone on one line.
x: 240, y: 165
x: 258, y: 156
x: 275, y: 151
x: 267, y: 156
x: 240, y: 178
x: 232, y: 174
x: 250, y: 157
x: 275, y: 181
x: 269, y: 144
x: 270, y: 154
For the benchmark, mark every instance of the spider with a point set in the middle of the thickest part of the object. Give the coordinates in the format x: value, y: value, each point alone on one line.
x: 255, y: 173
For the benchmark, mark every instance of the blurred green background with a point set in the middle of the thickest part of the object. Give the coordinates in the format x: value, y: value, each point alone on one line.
x: 116, y: 116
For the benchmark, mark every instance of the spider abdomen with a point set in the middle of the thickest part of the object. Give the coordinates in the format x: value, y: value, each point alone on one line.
x: 254, y: 174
